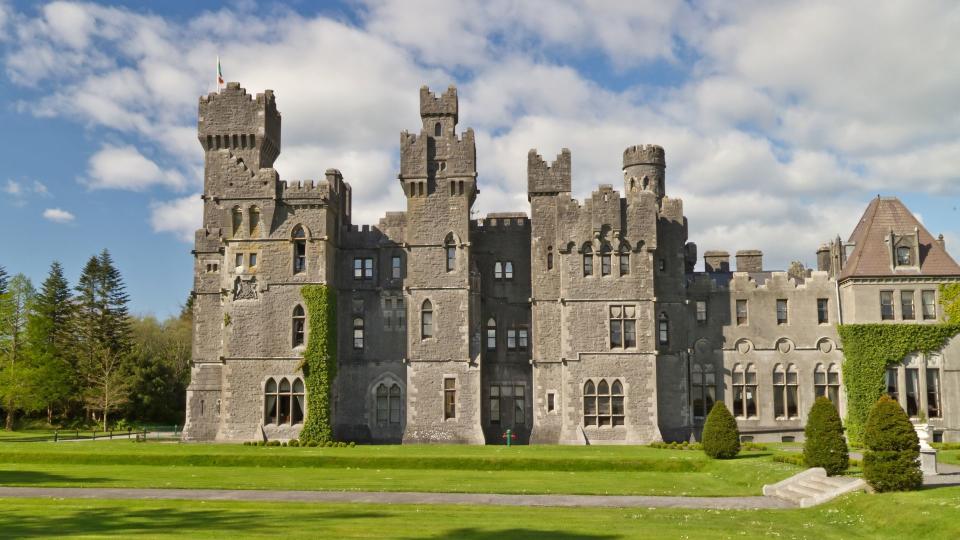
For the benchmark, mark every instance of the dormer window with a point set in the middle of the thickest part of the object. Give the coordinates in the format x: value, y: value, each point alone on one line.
x: 904, y: 256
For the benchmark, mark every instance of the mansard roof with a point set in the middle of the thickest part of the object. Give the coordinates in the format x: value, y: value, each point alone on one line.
x: 871, y: 256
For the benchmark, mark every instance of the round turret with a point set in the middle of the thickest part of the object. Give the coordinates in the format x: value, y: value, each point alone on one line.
x: 644, y: 169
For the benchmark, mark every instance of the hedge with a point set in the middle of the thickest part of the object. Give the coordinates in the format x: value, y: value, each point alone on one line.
x: 319, y: 361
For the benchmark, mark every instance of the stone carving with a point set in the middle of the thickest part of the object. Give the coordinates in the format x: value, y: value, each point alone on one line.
x: 245, y: 289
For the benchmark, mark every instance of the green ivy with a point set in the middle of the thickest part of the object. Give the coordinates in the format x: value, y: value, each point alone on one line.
x: 950, y: 300
x: 319, y: 361
x: 868, y: 349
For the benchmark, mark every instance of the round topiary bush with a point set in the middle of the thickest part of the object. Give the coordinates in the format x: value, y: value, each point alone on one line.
x: 824, y: 445
x: 891, y: 461
x: 721, y: 438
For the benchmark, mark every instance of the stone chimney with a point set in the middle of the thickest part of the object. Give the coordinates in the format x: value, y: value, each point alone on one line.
x: 750, y: 260
x: 716, y: 261
x: 942, y: 242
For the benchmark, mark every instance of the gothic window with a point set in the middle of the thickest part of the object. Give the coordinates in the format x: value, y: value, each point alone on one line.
x: 426, y: 320
x: 703, y: 390
x: 388, y: 404
x: 283, y: 404
x: 605, y: 268
x: 450, y: 250
x: 744, y: 391
x: 906, y: 305
x: 508, y: 270
x: 498, y: 270
x: 785, y: 392
x: 781, y: 311
x: 741, y: 312
x: 826, y: 383
x: 589, y: 404
x: 913, y: 391
x: 933, y: 392
x: 254, y: 222
x: 587, y: 261
x: 929, y: 305
x: 624, y: 263
x: 237, y: 219
x: 549, y: 257
x: 623, y: 326
x: 299, y: 322
x: 904, y: 256
x: 299, y: 250
x: 449, y: 398
x: 663, y: 329
x: 886, y: 305
x: 823, y: 313
x: 616, y: 400
x: 437, y: 129
x: 491, y: 334
x: 603, y: 404
x: 358, y: 333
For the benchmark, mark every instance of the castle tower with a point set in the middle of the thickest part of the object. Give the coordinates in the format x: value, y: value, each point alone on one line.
x: 644, y: 169
x: 438, y: 173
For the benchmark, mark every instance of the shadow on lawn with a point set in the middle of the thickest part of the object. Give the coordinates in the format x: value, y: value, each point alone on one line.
x: 519, y: 534
x: 36, y: 478
x: 160, y: 521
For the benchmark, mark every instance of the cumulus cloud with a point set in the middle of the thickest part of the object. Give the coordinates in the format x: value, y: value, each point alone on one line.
x: 181, y: 217
x: 124, y: 167
x: 58, y: 215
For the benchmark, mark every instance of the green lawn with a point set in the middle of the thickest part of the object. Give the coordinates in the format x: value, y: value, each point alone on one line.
x: 949, y: 456
x: 931, y: 514
x: 468, y: 469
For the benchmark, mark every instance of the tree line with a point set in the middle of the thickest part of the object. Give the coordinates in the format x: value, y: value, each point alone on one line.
x: 77, y: 356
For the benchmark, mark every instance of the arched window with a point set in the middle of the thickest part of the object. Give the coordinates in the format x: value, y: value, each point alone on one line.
x: 744, y: 391
x: 785, y: 403
x: 616, y: 399
x: 605, y: 266
x: 703, y: 389
x: 451, y: 252
x: 358, y: 333
x: 589, y: 404
x: 663, y: 329
x: 491, y: 334
x: 549, y: 257
x: 388, y: 404
x: 498, y: 270
x: 254, y: 222
x: 624, y: 261
x: 646, y: 183
x: 437, y: 129
x: 426, y: 320
x: 299, y: 250
x: 826, y: 383
x: 237, y: 218
x: 587, y: 260
x: 633, y: 184
x: 283, y: 403
x: 508, y: 270
x: 299, y: 323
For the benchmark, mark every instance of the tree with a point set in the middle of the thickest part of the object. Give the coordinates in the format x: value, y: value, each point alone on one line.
x: 3, y: 280
x: 721, y: 438
x: 52, y: 340
x: 16, y: 375
x: 797, y: 270
x: 824, y: 445
x: 161, y: 357
x: 105, y: 336
x: 891, y: 461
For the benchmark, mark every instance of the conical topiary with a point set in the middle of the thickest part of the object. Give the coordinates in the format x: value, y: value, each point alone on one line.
x: 891, y: 462
x: 824, y: 445
x: 721, y: 438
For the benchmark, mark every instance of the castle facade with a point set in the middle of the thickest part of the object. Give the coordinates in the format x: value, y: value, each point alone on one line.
x: 583, y: 322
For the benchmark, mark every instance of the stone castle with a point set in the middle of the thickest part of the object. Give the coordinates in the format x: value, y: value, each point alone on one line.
x: 582, y: 323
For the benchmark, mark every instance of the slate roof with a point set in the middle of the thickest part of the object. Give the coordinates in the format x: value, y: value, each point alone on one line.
x: 871, y: 256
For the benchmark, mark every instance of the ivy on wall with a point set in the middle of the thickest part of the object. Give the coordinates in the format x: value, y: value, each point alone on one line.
x: 868, y: 349
x: 950, y: 300
x: 319, y: 361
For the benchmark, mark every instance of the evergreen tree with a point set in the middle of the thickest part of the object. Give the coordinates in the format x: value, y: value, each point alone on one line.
x: 824, y: 445
x: 891, y: 462
x: 105, y: 335
x: 17, y: 378
x: 3, y: 280
x: 52, y: 340
x: 721, y: 438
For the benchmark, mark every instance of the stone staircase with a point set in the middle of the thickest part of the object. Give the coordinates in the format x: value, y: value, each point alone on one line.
x: 812, y: 487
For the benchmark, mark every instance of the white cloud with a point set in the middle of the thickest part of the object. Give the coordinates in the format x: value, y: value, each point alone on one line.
x: 58, y: 215
x: 124, y: 167
x: 13, y: 188
x: 181, y: 217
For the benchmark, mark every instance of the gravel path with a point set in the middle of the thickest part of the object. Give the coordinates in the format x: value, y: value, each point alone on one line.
x: 718, y: 503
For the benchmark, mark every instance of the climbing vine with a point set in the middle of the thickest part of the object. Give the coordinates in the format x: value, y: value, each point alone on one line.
x: 319, y: 361
x: 868, y: 349
x: 950, y: 300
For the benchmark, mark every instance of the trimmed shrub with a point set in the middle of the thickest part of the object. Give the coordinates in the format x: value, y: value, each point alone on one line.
x: 891, y: 461
x: 294, y: 443
x: 824, y: 445
x: 721, y: 438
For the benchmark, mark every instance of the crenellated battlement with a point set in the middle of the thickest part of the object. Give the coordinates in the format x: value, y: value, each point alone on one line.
x: 234, y: 120
x: 644, y: 154
x: 502, y: 222
x: 544, y: 178
x: 445, y: 104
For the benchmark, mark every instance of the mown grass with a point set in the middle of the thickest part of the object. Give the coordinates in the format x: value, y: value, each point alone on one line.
x: 541, y: 469
x: 933, y: 514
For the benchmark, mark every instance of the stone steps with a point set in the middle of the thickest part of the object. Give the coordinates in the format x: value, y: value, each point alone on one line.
x: 812, y: 487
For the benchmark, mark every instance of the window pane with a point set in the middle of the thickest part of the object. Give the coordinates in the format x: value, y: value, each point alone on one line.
x: 498, y: 270
x: 834, y: 394
x: 394, y: 409
x: 368, y: 268
x: 892, y: 383
x: 511, y: 339
x: 933, y: 392
x: 629, y: 333
x: 587, y: 264
x: 792, y: 403
x: 778, y: 403
x: 738, y: 401
x: 605, y: 265
x: 929, y: 305
x: 270, y: 414
x: 395, y: 267
x: 741, y: 312
x: 590, y: 405
x: 523, y: 339
x: 913, y: 392
x: 508, y: 270
x: 357, y: 268
x: 451, y: 258
x: 284, y: 409
x: 382, y: 405
x: 823, y: 315
x: 906, y: 304
x: 751, y: 401
x: 624, y: 265
x: 297, y: 409
x: 616, y: 333
x: 781, y: 311
x: 886, y: 305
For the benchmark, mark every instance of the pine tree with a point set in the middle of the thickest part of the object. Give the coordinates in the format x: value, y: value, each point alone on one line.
x: 52, y: 340
x: 891, y: 462
x: 105, y: 334
x: 3, y: 280
x: 721, y: 438
x: 16, y: 376
x: 824, y: 445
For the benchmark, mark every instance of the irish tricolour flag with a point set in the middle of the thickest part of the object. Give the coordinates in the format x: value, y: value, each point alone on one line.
x: 219, y: 74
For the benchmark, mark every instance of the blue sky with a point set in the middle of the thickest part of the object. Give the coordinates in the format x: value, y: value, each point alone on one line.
x: 779, y: 120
